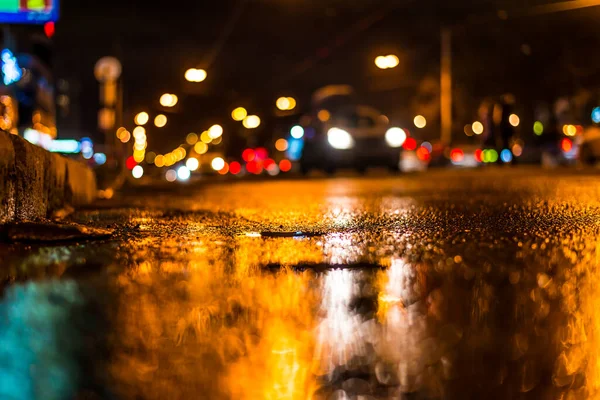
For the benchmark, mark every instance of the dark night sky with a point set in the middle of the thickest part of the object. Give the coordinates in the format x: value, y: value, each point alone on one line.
x: 336, y: 39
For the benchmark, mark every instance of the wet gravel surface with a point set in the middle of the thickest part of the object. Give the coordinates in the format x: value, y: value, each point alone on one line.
x: 448, y: 285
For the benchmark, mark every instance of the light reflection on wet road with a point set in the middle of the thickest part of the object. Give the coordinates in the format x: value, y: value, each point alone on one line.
x: 472, y: 285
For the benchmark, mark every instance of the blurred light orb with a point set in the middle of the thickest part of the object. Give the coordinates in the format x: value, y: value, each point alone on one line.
x: 171, y: 175
x: 137, y: 172
x: 239, y: 114
x: 283, y: 103
x: 205, y: 137
x: 251, y: 122
x: 215, y: 131
x: 200, y: 148
x: 159, y: 161
x: 191, y: 138
x: 514, y: 120
x: 297, y: 132
x: 168, y: 100
x: 224, y: 170
x: 395, y: 137
x: 387, y: 62
x: 420, y: 121
x: 183, y: 173
x: 517, y: 150
x: 141, y: 118
x: 125, y: 137
x: 506, y: 155
x: 160, y: 120
x: 192, y: 163
x: 468, y: 130
x: 139, y: 132
x: 150, y: 157
x: 571, y: 130
x: 281, y: 144
x: 217, y: 163
x: 324, y: 115
x: 195, y: 75
x: 477, y: 127
x: 596, y: 115
x: 538, y: 128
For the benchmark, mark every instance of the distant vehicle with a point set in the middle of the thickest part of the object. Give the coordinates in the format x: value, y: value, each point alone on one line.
x: 351, y: 136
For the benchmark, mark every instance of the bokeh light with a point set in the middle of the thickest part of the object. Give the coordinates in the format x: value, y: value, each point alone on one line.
x: 224, y: 170
x: 183, y: 173
x: 139, y: 132
x: 159, y: 161
x: 282, y: 103
x: 596, y: 115
x: 215, y: 131
x: 168, y: 100
x: 205, y: 137
x: 160, y: 120
x: 141, y: 118
x: 248, y: 155
x: 217, y: 163
x: 285, y: 165
x: 171, y: 175
x: 477, y: 127
x: 420, y: 121
x: 192, y: 163
x: 538, y: 128
x: 386, y: 62
x: 150, y: 157
x: 200, y: 147
x: 191, y: 138
x: 251, y: 122
x: 517, y: 150
x: 297, y: 132
x: 239, y: 114
x: 195, y: 75
x: 235, y: 167
x: 137, y: 172
x: 281, y: 144
x: 514, y: 120
x: 506, y: 155
x: 125, y: 137
x: 323, y: 115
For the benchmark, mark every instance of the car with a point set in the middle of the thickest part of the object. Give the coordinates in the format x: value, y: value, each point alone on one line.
x: 351, y: 136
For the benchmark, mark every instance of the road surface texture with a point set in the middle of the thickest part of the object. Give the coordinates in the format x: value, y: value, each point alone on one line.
x: 444, y: 285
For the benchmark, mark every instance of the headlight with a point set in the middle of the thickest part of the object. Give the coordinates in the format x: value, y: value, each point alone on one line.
x: 395, y: 137
x: 340, y: 139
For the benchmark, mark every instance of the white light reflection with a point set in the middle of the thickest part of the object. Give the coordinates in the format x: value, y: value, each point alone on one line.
x: 341, y: 334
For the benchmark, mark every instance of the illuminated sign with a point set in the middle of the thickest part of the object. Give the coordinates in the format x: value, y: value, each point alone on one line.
x: 11, y: 72
x: 28, y: 11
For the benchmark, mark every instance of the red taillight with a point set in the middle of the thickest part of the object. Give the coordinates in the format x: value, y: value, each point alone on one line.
x: 457, y: 155
x: 566, y: 145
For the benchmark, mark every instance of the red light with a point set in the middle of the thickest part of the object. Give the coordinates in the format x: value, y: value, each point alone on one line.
x: 49, y: 29
x: 285, y: 165
x: 130, y: 163
x: 268, y: 162
x: 566, y: 145
x: 248, y: 155
x: 410, y: 144
x: 261, y: 153
x: 423, y: 154
x: 254, y: 167
x: 457, y: 155
x: 224, y: 170
x: 235, y: 168
x: 479, y: 155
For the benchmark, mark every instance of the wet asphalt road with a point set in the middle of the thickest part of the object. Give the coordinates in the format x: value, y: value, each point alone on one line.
x: 453, y: 285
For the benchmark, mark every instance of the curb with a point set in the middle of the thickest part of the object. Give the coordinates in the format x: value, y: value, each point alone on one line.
x: 34, y: 182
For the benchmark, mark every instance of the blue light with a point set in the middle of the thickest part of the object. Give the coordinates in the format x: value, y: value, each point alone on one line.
x: 294, y: 151
x: 11, y: 72
x: 100, y: 158
x: 67, y: 146
x: 596, y: 115
x: 506, y: 155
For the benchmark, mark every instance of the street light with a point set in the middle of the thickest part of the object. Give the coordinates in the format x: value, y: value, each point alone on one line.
x: 195, y: 75
x: 141, y: 118
x: 168, y: 100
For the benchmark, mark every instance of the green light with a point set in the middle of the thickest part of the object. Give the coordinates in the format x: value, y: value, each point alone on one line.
x: 493, y: 155
x: 538, y: 128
